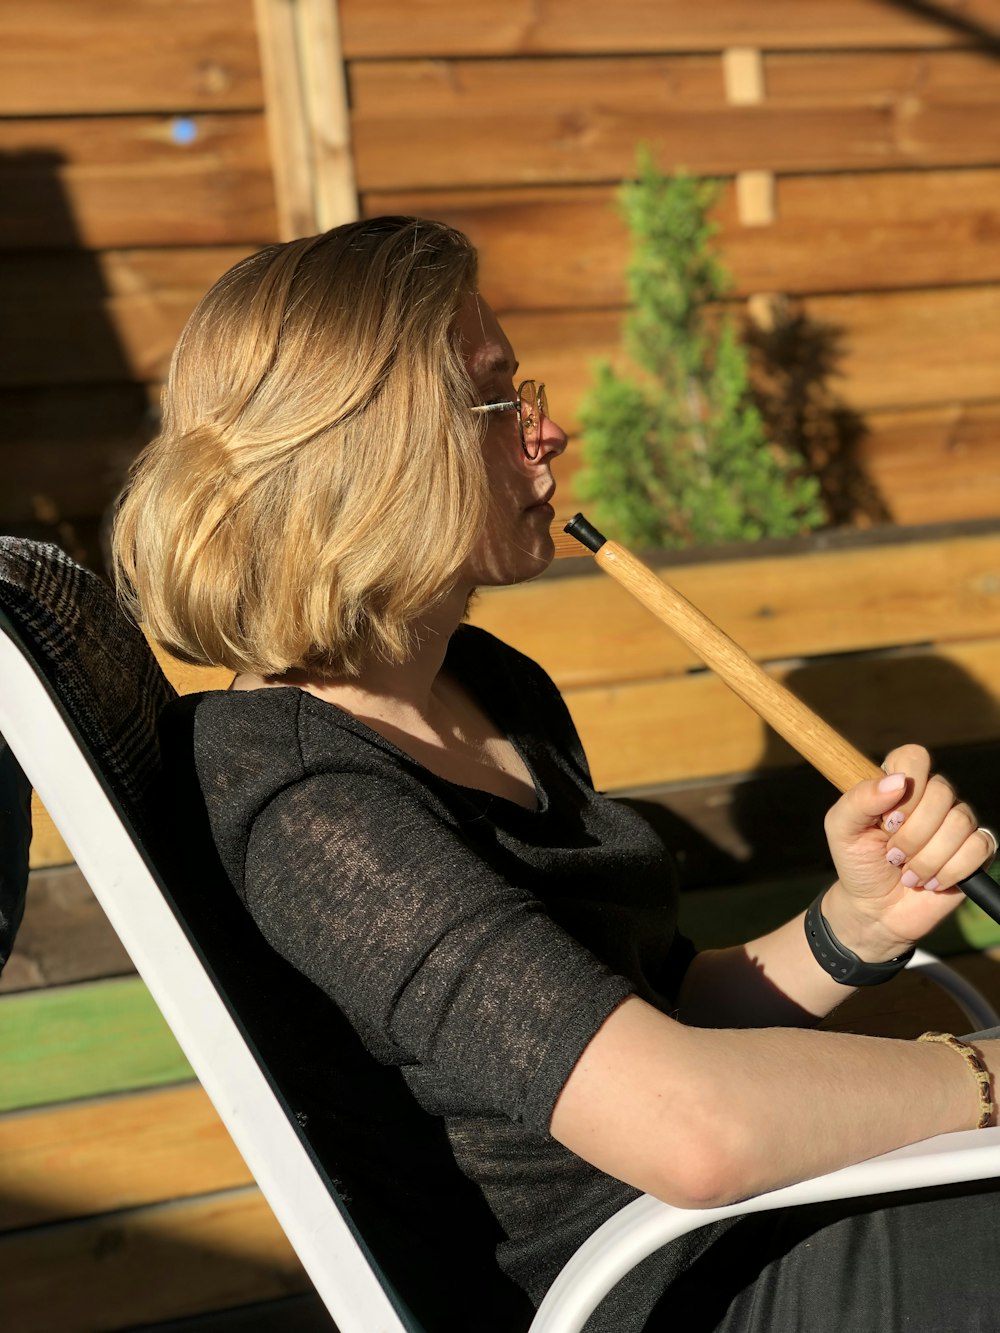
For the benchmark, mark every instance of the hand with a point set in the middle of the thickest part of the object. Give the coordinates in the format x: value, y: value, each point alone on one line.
x: 899, y: 845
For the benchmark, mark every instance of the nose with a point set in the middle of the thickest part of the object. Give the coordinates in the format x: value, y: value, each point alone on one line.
x: 553, y: 439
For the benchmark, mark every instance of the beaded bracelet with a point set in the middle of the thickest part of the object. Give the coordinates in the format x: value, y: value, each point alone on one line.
x: 979, y: 1071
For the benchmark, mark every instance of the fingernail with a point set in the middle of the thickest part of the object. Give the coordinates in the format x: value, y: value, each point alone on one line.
x: 894, y: 782
x: 894, y: 822
x: 933, y: 884
x: 909, y: 880
x: 896, y: 857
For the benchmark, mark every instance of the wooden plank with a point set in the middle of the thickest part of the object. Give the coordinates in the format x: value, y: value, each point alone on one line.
x: 938, y: 345
x: 189, y: 679
x: 543, y: 247
x: 935, y: 466
x: 718, y: 831
x: 755, y: 198
x: 116, y: 181
x: 824, y: 112
x: 147, y: 1265
x: 64, y: 453
x: 435, y: 28
x: 55, y: 481
x: 69, y: 1042
x: 328, y: 112
x: 99, y: 318
x: 722, y: 831
x: 76, y: 57
x: 48, y: 850
x: 888, y: 350
x: 64, y: 937
x: 307, y: 114
x: 110, y: 1153
x: 682, y: 729
x: 587, y: 631
x: 818, y: 603
x: 305, y: 1313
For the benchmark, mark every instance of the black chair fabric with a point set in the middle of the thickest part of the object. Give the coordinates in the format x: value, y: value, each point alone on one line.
x: 15, y: 837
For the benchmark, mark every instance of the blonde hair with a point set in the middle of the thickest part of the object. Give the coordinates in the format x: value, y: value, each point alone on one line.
x: 318, y: 479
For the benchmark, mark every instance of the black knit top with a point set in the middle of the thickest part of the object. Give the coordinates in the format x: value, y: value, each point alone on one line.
x: 473, y: 943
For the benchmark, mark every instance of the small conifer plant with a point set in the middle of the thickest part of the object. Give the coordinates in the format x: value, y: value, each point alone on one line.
x: 677, y: 455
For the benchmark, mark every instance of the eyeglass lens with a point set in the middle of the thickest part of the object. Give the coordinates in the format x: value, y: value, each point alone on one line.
x: 534, y: 410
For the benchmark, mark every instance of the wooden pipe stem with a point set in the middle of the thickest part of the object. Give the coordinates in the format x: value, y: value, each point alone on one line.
x: 804, y: 730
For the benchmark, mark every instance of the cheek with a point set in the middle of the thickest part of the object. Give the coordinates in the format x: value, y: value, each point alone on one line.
x: 506, y: 503
x: 506, y: 473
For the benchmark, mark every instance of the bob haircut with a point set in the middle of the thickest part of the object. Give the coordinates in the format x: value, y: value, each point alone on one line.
x: 318, y: 479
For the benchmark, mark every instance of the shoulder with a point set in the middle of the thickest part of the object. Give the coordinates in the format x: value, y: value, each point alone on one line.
x: 236, y: 731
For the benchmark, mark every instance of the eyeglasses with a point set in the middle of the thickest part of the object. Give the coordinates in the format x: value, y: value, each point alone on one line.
x: 532, y: 407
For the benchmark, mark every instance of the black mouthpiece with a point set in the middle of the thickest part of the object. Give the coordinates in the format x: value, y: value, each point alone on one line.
x: 585, y: 533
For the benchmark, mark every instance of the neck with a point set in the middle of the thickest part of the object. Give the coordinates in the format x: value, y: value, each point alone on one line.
x: 396, y: 691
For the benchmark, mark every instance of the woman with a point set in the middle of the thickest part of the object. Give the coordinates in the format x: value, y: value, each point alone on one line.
x: 402, y: 804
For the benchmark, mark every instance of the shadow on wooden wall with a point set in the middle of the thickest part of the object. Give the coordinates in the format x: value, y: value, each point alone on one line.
x: 796, y: 360
x: 73, y: 415
x: 949, y: 17
x: 770, y: 823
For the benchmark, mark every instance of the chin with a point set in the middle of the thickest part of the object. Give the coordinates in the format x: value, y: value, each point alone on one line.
x: 514, y: 557
x: 518, y: 567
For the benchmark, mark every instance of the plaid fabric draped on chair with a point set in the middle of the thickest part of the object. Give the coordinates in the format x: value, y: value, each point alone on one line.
x: 102, y: 669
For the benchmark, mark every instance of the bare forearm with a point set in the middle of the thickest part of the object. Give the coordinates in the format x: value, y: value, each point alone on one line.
x: 704, y: 1117
x: 810, y: 1102
x: 774, y: 980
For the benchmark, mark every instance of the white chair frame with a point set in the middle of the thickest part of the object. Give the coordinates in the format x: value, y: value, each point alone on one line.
x: 330, y: 1249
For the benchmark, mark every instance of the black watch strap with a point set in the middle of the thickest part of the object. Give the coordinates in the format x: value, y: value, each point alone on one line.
x: 841, y: 964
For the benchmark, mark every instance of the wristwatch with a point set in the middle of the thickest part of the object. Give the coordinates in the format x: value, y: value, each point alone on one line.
x: 841, y: 964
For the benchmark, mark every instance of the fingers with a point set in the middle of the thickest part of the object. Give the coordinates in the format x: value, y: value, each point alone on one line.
x: 915, y: 762
x: 862, y: 808
x: 934, y: 840
x: 887, y: 800
x: 911, y: 824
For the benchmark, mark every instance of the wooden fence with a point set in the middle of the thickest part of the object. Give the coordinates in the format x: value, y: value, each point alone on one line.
x: 858, y: 146
x: 859, y: 151
x: 135, y: 168
x: 145, y: 148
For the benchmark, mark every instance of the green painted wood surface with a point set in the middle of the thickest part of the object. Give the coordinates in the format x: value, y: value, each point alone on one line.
x: 719, y: 917
x: 81, y: 1041
x: 71, y: 1042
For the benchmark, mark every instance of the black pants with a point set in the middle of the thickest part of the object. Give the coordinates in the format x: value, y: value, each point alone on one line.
x: 926, y: 1261
x: 920, y: 1261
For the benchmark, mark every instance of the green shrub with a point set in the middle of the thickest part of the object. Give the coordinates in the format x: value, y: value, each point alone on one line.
x: 678, y: 455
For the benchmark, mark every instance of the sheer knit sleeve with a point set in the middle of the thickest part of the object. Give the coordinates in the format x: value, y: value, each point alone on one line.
x: 442, y: 966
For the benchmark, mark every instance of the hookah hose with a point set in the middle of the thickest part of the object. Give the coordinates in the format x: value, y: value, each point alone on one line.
x: 805, y: 731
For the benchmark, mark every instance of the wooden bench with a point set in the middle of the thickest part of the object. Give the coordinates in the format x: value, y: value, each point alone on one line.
x: 122, y: 1200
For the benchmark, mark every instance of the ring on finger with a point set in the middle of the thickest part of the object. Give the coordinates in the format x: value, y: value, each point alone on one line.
x: 994, y: 843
